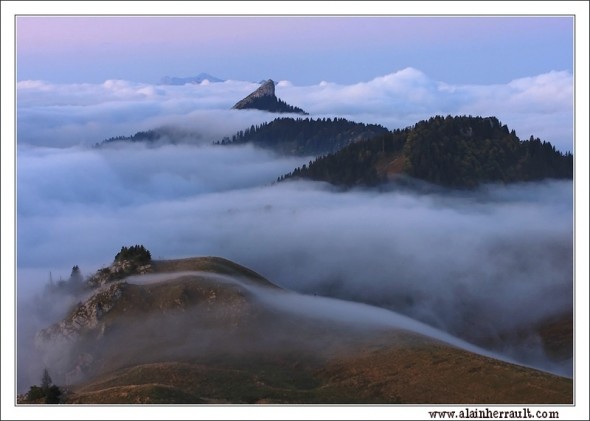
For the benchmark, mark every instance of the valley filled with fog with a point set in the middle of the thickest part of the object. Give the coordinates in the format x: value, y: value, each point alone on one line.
x: 483, y: 265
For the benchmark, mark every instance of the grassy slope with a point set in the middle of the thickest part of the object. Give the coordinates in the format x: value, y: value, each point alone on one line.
x: 427, y: 374
x: 262, y: 356
x: 211, y: 264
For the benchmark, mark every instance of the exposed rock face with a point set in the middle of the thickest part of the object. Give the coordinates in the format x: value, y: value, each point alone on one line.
x: 267, y: 89
x: 264, y: 99
x: 122, y: 310
x: 86, y: 316
x: 117, y: 271
x: 109, y: 286
x: 59, y: 343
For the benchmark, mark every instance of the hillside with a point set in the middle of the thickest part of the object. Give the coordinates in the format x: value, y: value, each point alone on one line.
x: 207, y: 330
x: 306, y: 137
x: 458, y: 152
x: 265, y: 99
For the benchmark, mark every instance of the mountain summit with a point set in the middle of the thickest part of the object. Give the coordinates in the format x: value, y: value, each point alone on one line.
x: 264, y: 99
x: 267, y: 88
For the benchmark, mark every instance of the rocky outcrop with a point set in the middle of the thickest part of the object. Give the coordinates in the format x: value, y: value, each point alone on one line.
x: 267, y: 89
x: 60, y: 344
x: 85, y: 317
x: 264, y: 99
x: 108, y: 286
x: 117, y: 271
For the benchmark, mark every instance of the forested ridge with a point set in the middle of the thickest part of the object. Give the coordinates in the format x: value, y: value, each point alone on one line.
x: 143, y: 136
x: 162, y: 135
x: 305, y: 136
x: 461, y: 152
x: 451, y: 151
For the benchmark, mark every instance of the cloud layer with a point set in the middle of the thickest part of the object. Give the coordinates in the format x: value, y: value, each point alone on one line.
x: 480, y: 265
x: 63, y: 115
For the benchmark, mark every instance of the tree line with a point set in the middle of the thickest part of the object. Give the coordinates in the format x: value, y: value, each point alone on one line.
x: 305, y: 136
x: 458, y: 152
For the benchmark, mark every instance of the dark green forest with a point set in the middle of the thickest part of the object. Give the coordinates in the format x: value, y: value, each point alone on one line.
x: 451, y: 151
x: 143, y: 136
x: 154, y: 137
x: 305, y: 136
x: 458, y: 152
x: 137, y: 253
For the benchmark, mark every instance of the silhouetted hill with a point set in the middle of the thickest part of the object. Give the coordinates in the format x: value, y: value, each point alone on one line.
x: 264, y: 99
x: 306, y: 136
x: 459, y: 152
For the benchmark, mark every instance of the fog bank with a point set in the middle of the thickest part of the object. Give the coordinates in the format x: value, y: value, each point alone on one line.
x: 480, y: 265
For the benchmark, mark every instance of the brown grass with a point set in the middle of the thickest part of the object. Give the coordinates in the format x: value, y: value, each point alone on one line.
x: 402, y: 369
x: 558, y: 336
x: 209, y: 264
x: 436, y: 373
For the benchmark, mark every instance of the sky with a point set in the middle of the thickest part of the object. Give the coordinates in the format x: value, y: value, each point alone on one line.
x: 389, y: 70
x: 80, y: 80
x: 303, y: 49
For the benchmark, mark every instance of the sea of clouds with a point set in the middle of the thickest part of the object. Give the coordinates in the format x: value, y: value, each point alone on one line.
x: 61, y: 115
x: 475, y: 264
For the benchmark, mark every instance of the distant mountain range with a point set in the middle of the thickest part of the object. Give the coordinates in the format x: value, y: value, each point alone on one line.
x: 207, y: 330
x: 264, y: 99
x: 174, y: 80
x: 458, y: 152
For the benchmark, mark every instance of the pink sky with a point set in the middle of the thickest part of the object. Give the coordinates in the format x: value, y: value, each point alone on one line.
x: 302, y: 49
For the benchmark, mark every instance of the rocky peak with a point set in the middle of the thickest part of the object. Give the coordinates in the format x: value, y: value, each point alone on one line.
x: 119, y: 270
x: 264, y: 98
x: 267, y: 89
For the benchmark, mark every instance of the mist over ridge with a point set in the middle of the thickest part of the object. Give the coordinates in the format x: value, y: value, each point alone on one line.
x: 70, y: 114
x: 475, y: 264
x: 483, y: 265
